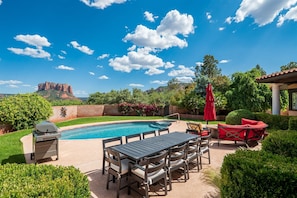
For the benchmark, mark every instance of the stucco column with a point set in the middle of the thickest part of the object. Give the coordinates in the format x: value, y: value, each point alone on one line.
x: 275, y: 99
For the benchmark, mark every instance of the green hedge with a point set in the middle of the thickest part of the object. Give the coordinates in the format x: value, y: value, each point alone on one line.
x: 258, y: 174
x: 26, y: 181
x: 293, y: 123
x: 282, y: 143
x: 22, y: 111
x: 234, y: 117
x: 274, y: 121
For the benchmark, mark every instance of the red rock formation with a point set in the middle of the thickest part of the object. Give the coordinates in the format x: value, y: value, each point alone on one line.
x: 55, y: 86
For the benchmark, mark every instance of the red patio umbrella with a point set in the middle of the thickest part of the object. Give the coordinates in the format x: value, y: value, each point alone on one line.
x: 209, y: 109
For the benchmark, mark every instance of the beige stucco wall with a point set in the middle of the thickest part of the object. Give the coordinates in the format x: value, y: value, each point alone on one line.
x: 90, y: 110
x: 62, y: 113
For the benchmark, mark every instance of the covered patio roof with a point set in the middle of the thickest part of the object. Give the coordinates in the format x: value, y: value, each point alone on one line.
x: 285, y: 77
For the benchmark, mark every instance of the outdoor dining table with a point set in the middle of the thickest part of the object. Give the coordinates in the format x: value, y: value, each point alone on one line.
x: 142, y: 148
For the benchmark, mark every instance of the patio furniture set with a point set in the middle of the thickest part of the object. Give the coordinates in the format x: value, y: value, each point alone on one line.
x: 150, y: 160
x: 249, y: 131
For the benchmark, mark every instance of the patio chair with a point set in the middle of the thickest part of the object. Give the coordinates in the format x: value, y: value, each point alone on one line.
x: 133, y: 137
x: 149, y: 171
x: 107, y: 143
x: 148, y: 134
x: 177, y: 160
x: 163, y: 131
x: 117, y: 168
x: 204, y: 148
x: 197, y: 128
x: 193, y: 148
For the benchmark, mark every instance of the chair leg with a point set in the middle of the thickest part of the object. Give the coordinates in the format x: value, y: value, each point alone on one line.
x: 188, y: 170
x: 118, y: 187
x: 165, y: 184
x: 200, y: 160
x: 146, y: 190
x: 103, y: 165
x: 198, y: 163
x: 208, y: 156
x: 107, y: 182
x: 170, y: 184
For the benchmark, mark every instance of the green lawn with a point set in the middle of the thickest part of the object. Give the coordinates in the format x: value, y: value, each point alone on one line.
x: 11, y: 148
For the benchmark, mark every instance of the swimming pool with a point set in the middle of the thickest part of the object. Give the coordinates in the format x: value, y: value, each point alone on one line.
x: 112, y: 130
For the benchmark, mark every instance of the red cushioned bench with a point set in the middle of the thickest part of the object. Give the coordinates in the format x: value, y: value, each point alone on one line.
x: 249, y: 131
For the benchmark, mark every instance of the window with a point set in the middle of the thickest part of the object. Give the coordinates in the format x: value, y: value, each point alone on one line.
x: 293, y: 99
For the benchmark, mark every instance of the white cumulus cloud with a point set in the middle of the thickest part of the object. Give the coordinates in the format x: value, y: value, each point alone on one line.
x: 82, y: 48
x: 148, y: 41
x: 263, y: 11
x: 136, y: 85
x: 149, y: 16
x: 34, y: 40
x: 103, y: 77
x: 101, y: 4
x: 103, y: 56
x: 159, y: 82
x: 224, y: 61
x: 10, y: 82
x: 35, y: 53
x: 290, y: 15
x: 166, y: 34
x: 63, y: 67
x: 182, y: 71
x: 136, y: 60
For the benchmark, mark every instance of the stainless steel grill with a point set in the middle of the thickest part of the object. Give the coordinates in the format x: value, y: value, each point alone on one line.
x: 45, y: 141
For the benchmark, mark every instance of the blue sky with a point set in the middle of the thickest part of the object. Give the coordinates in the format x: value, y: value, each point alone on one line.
x: 104, y: 45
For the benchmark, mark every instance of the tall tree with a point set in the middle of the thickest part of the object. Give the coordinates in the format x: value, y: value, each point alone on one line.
x: 246, y: 93
x: 290, y: 65
x: 262, y: 71
x: 209, y: 67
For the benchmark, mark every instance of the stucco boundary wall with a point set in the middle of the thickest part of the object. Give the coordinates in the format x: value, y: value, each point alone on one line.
x: 63, y: 113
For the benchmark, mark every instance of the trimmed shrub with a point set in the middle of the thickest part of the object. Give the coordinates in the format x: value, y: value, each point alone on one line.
x: 274, y: 121
x: 22, y: 180
x: 258, y: 174
x: 282, y: 143
x: 234, y: 117
x: 293, y: 123
x: 22, y: 111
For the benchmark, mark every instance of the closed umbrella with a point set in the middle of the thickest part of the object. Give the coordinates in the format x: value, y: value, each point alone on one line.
x: 209, y: 109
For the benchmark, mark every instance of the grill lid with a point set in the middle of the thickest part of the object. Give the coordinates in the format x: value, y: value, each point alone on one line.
x: 46, y: 127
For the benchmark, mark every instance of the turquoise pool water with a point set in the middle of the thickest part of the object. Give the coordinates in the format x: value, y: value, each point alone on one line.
x: 112, y: 130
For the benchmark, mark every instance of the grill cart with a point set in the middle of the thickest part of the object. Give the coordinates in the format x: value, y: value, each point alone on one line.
x: 45, y: 141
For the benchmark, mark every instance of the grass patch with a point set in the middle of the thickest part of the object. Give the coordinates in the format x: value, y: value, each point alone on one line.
x: 11, y: 147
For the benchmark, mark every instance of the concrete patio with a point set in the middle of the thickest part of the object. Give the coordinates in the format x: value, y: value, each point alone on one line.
x: 86, y: 155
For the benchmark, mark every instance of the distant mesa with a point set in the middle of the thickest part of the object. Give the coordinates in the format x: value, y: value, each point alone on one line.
x: 55, y: 86
x: 56, y: 91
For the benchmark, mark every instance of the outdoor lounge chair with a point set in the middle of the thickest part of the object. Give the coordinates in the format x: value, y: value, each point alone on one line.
x: 197, y: 128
